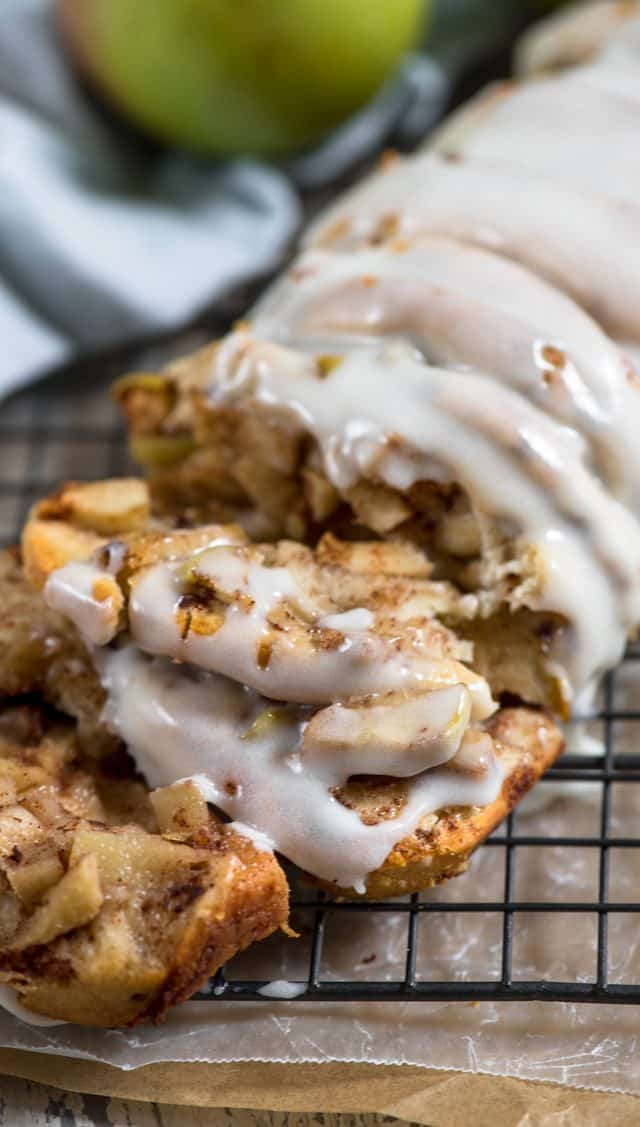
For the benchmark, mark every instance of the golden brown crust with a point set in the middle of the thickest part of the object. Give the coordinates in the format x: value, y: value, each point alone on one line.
x: 527, y: 742
x: 110, y: 922
x: 81, y: 518
x: 105, y: 507
x: 75, y: 520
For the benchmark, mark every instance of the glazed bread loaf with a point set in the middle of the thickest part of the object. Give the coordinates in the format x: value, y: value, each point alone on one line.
x: 391, y: 529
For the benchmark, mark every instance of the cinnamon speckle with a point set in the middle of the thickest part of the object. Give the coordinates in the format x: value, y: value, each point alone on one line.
x: 553, y: 356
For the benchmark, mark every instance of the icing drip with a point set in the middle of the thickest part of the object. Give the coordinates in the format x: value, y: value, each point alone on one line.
x: 553, y: 127
x: 523, y: 216
x: 356, y: 662
x: 462, y: 306
x: 514, y: 462
x: 575, y: 33
x: 281, y: 990
x: 75, y: 591
x: 395, y: 706
x: 252, y: 763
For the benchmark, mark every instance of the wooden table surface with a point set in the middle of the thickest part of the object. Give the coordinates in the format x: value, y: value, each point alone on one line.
x: 23, y: 1103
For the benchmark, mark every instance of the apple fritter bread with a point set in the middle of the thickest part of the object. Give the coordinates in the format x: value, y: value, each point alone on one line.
x: 242, y: 465
x: 382, y: 575
x: 391, y: 526
x: 448, y: 363
x: 118, y: 900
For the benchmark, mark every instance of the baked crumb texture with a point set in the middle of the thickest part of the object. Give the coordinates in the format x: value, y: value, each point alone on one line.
x: 116, y: 902
x: 380, y: 574
x: 207, y: 461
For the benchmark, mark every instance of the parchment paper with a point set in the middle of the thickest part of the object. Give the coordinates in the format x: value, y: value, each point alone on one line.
x: 581, y: 1045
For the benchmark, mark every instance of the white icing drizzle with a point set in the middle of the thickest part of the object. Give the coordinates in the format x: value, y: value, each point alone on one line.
x: 349, y: 620
x: 515, y: 394
x: 263, y: 843
x: 548, y: 174
x: 512, y: 460
x: 363, y: 663
x: 281, y: 990
x: 464, y: 306
x: 585, y: 243
x: 71, y: 590
x: 274, y: 770
x: 259, y: 762
x: 578, y: 129
x: 259, y: 773
x: 574, y: 33
x: 622, y: 49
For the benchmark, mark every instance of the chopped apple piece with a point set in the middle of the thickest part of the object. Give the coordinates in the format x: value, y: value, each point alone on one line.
x: 180, y: 807
x: 73, y: 901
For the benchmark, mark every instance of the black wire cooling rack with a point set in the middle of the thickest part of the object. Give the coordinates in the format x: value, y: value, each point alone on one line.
x: 603, y: 770
x: 66, y: 428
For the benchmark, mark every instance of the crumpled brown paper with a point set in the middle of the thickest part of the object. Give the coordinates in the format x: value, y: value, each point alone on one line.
x: 416, y: 1095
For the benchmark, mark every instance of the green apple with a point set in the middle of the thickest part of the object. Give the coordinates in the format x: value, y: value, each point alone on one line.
x: 239, y: 76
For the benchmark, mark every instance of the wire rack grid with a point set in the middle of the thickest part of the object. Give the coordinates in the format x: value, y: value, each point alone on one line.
x: 67, y: 428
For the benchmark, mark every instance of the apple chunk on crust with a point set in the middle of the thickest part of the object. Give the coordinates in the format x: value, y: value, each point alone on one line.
x: 116, y: 904
x: 525, y: 741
